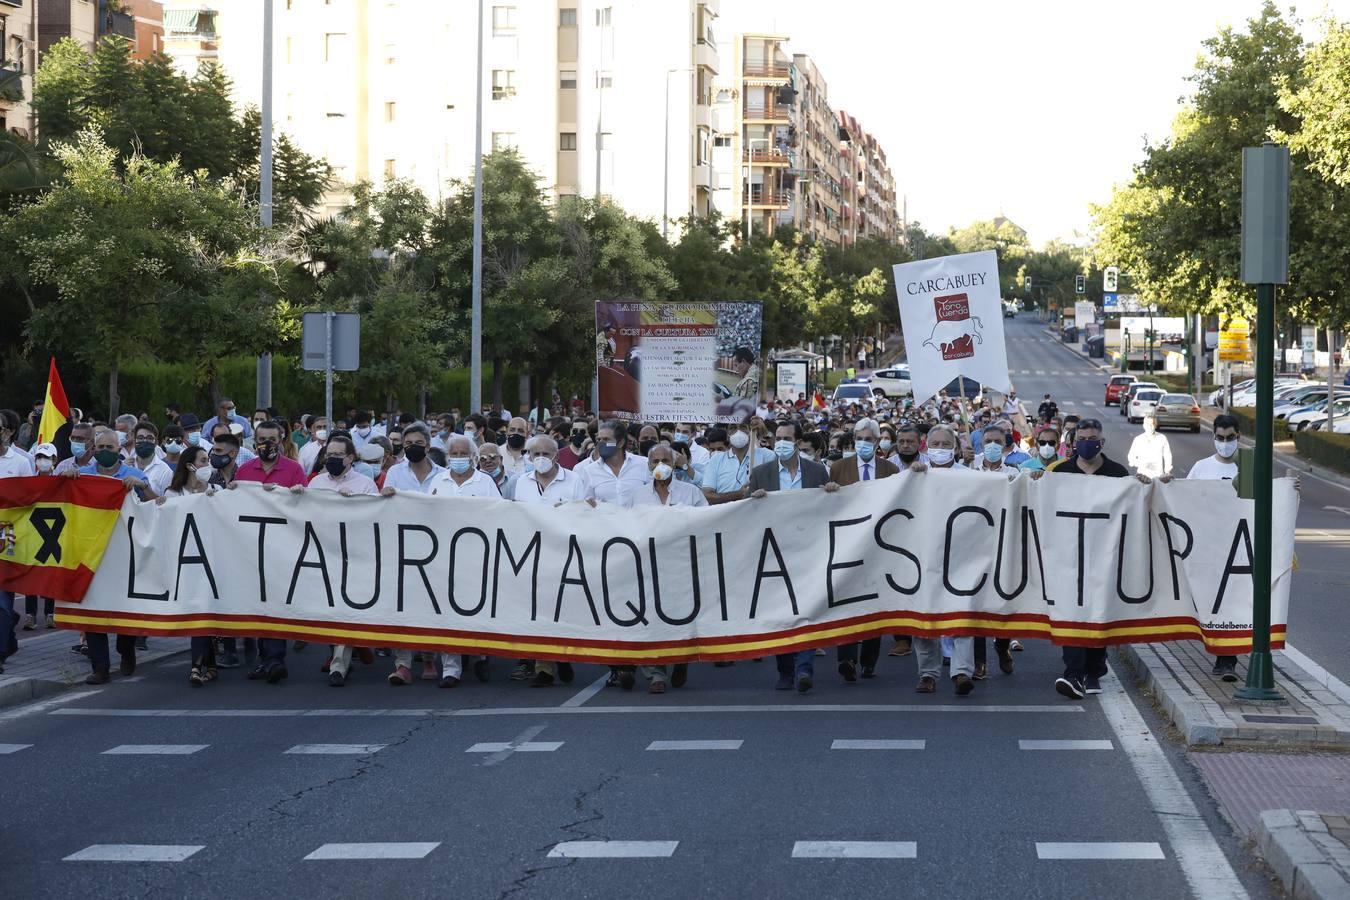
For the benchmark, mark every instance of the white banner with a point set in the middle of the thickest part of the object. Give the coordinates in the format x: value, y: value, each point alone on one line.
x: 952, y: 317
x: 1075, y: 559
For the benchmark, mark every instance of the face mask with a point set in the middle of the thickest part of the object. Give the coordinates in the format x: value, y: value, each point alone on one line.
x: 784, y: 450
x: 1087, y: 448
x: 203, y: 473
x: 460, y: 464
x: 908, y: 458
x: 496, y: 473
x: 44, y: 464
x: 257, y: 422
x: 885, y: 445
x: 848, y: 454
x: 78, y: 447
x: 662, y: 472
x: 993, y: 452
x: 527, y: 467
x: 121, y: 438
x: 515, y: 441
x: 1148, y: 427
x: 364, y: 468
x: 219, y: 460
x: 806, y: 454
x: 471, y: 433
x: 542, y: 464
x: 834, y: 455
x: 107, y: 458
x: 321, y: 434
x: 268, y: 452
x: 578, y: 438
x: 334, y: 465
x: 173, y: 447
x: 1046, y: 450
x: 866, y: 449
x: 739, y: 439
x: 607, y: 451
x: 681, y: 438
x: 941, y: 456
x: 415, y: 453
x: 645, y: 447
x: 1226, y: 448
x: 145, y: 449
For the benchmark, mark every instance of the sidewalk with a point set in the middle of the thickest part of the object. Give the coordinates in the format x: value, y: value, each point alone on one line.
x: 46, y: 665
x: 1309, y: 851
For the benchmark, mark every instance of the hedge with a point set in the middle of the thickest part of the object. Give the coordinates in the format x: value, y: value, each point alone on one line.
x: 1247, y: 416
x: 1332, y: 450
x: 149, y: 386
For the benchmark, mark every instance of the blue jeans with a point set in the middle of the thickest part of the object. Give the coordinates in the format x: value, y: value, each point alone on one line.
x: 795, y: 665
x: 9, y: 642
x: 272, y: 652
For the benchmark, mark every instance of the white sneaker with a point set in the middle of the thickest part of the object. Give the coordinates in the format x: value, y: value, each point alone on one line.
x: 29, y: 623
x: 51, y: 621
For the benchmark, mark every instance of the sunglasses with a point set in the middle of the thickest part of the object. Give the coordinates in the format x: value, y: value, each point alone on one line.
x: 1047, y: 443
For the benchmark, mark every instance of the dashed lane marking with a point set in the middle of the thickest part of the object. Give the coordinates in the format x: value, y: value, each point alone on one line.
x: 855, y: 850
x: 614, y: 849
x: 586, y: 693
x: 155, y: 749
x: 522, y: 747
x: 846, y: 744
x: 335, y: 749
x: 1099, y: 850
x: 695, y: 745
x: 1065, y: 745
x: 135, y: 853
x: 12, y: 748
x: 390, y: 850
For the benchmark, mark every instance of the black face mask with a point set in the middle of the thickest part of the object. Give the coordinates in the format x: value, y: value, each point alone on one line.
x: 834, y: 454
x: 908, y: 458
x: 219, y: 460
x: 515, y: 441
x: 415, y: 453
x: 645, y: 447
x: 334, y: 466
x: 145, y: 449
x: 578, y: 438
x: 267, y: 450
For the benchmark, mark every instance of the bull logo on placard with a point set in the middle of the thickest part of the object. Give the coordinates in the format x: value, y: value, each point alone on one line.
x: 956, y: 332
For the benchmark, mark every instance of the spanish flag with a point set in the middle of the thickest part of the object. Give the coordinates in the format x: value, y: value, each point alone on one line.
x: 53, y: 532
x: 55, y: 408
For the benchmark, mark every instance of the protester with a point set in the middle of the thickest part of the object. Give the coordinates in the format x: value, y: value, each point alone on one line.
x: 145, y: 446
x: 81, y: 447
x: 1150, y: 453
x: 225, y: 412
x: 513, y: 449
x: 727, y: 471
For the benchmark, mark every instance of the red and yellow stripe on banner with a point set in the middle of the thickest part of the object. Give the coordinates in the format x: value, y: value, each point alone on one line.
x: 742, y: 646
x: 53, y: 532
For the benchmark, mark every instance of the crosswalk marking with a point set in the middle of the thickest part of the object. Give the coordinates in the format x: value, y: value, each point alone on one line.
x: 134, y: 853
x: 335, y: 749
x: 155, y: 749
x: 695, y: 745
x: 614, y: 849
x: 390, y: 850
x: 1099, y: 850
x: 855, y: 850
x: 1065, y: 745
x: 1040, y: 371
x: 524, y: 747
x: 847, y: 744
x: 13, y: 748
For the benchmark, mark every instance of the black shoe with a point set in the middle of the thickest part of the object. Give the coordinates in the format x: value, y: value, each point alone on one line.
x: 848, y: 670
x: 803, y: 683
x: 542, y: 679
x: 1092, y: 685
x: 337, y: 679
x: 946, y: 662
x: 784, y: 683
x: 448, y: 681
x: 1005, y: 660
x: 98, y: 676
x: 679, y: 675
x: 964, y: 685
x: 480, y: 669
x: 276, y: 674
x: 80, y: 648
x: 612, y: 680
x: 1070, y: 687
x: 566, y: 673
x: 128, y: 666
x: 724, y: 664
x: 142, y: 644
x: 626, y: 679
x: 1226, y: 668
x: 257, y: 673
x: 869, y: 672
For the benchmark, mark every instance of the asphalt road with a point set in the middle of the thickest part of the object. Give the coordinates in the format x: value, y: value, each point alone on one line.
x: 1319, y: 604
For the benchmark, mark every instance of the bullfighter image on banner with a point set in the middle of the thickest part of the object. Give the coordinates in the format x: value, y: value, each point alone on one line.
x: 952, y: 317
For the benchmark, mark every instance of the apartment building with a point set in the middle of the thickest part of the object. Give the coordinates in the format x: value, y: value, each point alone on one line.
x: 18, y: 53
x: 596, y: 95
x: 870, y: 197
x: 140, y: 22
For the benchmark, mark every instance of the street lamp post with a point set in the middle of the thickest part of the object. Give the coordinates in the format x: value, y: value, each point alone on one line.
x: 263, y: 379
x: 476, y: 325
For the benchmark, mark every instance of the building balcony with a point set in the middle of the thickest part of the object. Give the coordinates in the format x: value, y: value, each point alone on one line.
x: 774, y: 71
x: 705, y: 54
x: 11, y: 84
x: 761, y: 157
x: 772, y: 113
x: 702, y: 115
x: 703, y: 176
x: 118, y: 23
x: 762, y: 198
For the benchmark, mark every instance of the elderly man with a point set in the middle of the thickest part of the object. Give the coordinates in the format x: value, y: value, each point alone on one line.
x: 864, y: 466
x: 548, y: 483
x: 81, y: 448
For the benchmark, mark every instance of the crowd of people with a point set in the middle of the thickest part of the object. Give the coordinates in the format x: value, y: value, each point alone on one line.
x: 783, y: 445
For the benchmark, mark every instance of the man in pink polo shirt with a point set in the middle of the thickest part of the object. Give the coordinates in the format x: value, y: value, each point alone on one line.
x: 272, y: 470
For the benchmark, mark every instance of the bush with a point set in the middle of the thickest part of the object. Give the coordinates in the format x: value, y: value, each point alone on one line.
x: 1247, y: 416
x: 1331, y: 450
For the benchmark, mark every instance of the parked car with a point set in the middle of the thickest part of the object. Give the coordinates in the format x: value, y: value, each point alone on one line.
x: 1247, y: 388
x: 1315, y: 418
x: 1302, y: 399
x: 1133, y: 388
x: 1177, y: 411
x: 892, y: 382
x: 1117, y: 386
x: 1284, y: 385
x: 847, y: 392
x: 1142, y: 402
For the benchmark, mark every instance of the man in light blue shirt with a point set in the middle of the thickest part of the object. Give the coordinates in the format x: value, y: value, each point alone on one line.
x: 225, y: 412
x: 724, y: 477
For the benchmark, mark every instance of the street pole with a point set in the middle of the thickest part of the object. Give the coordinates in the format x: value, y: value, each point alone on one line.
x: 328, y: 370
x: 476, y: 334
x: 263, y: 380
x: 1265, y: 263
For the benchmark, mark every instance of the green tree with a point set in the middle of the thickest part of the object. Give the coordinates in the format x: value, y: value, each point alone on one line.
x: 1320, y: 100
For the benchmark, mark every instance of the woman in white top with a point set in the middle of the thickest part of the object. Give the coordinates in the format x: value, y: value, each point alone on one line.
x: 186, y: 481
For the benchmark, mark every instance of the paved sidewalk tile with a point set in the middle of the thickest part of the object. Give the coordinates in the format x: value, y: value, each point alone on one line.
x: 45, y: 663
x: 1308, y: 851
x: 1248, y: 784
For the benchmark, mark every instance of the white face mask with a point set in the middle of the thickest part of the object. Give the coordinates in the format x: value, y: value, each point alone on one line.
x: 174, y: 447
x: 321, y: 434
x: 1227, y: 448
x: 662, y: 472
x: 542, y: 464
x: 203, y: 473
x: 739, y: 439
x: 44, y: 464
x: 1046, y: 450
x: 940, y: 456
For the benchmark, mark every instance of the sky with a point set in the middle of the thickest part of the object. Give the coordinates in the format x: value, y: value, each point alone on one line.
x: 1033, y: 109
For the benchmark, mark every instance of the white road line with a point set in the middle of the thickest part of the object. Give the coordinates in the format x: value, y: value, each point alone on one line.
x: 155, y: 749
x: 29, y: 709
x: 1318, y: 673
x: 399, y: 850
x: 523, y: 747
x: 855, y: 850
x: 1065, y: 745
x: 335, y: 749
x: 391, y: 713
x: 614, y: 849
x: 1202, y: 862
x: 13, y: 748
x: 1040, y: 371
x: 134, y: 853
x: 695, y: 745
x: 586, y: 693
x: 846, y: 744
x: 1099, y: 850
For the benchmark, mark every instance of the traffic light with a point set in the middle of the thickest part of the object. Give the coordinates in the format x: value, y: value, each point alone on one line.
x: 1026, y: 283
x: 1080, y: 284
x: 1109, y: 278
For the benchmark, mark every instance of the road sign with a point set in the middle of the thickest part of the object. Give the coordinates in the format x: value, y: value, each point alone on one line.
x: 1235, y: 341
x: 1109, y: 279
x: 346, y: 341
x: 1110, y: 302
x: 1080, y: 284
x: 1084, y: 312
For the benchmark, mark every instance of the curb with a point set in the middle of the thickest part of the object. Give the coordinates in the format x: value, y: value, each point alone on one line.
x: 1302, y: 851
x: 1197, y: 728
x: 1055, y: 339
x: 15, y: 691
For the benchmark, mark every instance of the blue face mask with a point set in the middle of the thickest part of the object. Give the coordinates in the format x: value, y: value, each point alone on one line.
x: 681, y: 438
x: 1088, y: 448
x: 194, y: 438
x: 993, y: 452
x: 78, y: 447
x: 460, y: 464
x: 866, y: 450
x: 784, y: 449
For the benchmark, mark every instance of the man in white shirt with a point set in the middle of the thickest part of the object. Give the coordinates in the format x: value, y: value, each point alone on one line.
x: 156, y: 470
x: 513, y: 448
x: 684, y: 442
x: 664, y: 489
x: 415, y: 472
x: 1150, y: 453
x: 318, y: 439
x: 551, y: 484
x: 13, y: 461
x: 615, y: 468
